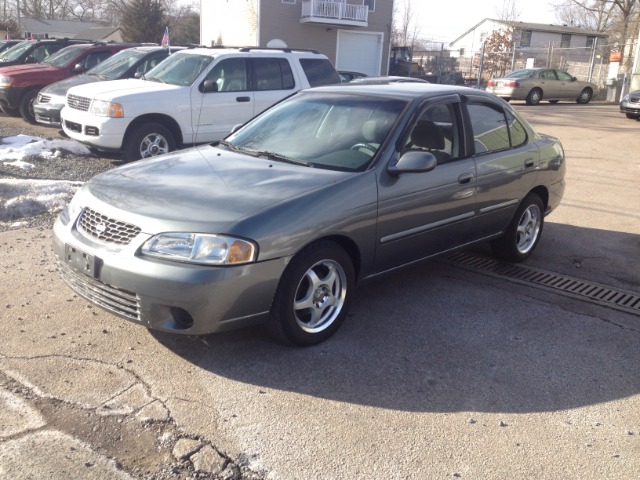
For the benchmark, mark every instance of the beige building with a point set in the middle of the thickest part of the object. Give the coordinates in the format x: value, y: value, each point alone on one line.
x: 354, y: 34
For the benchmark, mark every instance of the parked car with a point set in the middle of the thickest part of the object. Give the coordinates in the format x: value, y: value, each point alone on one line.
x: 347, y: 76
x: 129, y: 63
x: 195, y: 96
x: 7, y: 44
x: 333, y: 186
x: 536, y: 84
x: 34, y: 51
x: 630, y: 105
x: 384, y: 80
x: 20, y: 84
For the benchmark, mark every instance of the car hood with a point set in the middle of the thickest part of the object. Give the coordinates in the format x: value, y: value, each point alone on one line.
x: 119, y: 89
x: 30, y: 69
x: 201, y: 189
x: 61, y: 87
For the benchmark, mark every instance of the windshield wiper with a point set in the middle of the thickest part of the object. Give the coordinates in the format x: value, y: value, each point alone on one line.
x: 280, y: 158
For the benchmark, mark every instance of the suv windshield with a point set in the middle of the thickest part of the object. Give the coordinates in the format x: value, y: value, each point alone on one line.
x: 64, y: 57
x: 115, y: 66
x: 338, y: 132
x: 14, y: 52
x: 180, y: 69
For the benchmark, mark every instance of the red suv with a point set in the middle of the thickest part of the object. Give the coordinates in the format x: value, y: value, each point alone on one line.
x: 20, y: 84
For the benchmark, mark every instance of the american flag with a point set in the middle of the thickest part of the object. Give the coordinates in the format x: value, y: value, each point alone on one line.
x: 165, y: 39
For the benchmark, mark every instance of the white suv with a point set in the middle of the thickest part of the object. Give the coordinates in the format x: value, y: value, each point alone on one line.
x: 194, y: 96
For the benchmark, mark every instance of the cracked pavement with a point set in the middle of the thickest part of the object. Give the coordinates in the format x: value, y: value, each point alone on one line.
x: 438, y: 372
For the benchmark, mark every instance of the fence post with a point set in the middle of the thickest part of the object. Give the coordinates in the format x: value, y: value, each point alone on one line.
x: 481, y: 67
x: 593, y: 59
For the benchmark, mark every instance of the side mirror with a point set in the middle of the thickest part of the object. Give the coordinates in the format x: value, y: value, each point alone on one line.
x: 78, y: 68
x: 573, y: 79
x: 413, y: 161
x: 138, y: 75
x: 30, y: 59
x: 209, y: 86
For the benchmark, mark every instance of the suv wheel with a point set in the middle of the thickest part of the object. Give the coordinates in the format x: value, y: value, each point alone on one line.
x: 149, y: 140
x: 26, y: 106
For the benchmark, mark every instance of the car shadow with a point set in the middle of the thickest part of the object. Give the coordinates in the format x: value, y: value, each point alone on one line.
x: 436, y: 338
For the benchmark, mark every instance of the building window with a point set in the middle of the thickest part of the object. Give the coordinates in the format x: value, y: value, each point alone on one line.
x: 371, y: 4
x: 292, y: 2
x: 591, y: 41
x: 525, y: 39
x: 565, y: 42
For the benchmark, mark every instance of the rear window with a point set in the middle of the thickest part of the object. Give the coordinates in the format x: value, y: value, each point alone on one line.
x: 319, y: 71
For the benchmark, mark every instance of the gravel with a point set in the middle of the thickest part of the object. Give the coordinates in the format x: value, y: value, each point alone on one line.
x: 67, y: 166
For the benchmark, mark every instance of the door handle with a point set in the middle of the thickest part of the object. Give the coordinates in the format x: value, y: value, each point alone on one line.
x: 529, y: 162
x: 243, y: 99
x: 465, y: 178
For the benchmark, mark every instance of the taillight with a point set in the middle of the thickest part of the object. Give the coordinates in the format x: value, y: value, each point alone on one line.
x: 491, y: 83
x: 511, y: 84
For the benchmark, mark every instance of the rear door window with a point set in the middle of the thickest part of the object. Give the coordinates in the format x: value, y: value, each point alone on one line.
x: 272, y: 74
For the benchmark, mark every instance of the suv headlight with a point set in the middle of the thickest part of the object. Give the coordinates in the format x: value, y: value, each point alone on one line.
x: 200, y: 248
x: 5, y: 81
x: 102, y: 108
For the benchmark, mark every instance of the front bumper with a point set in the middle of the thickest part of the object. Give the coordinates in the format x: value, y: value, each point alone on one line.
x: 167, y: 296
x: 47, y: 113
x: 102, y: 133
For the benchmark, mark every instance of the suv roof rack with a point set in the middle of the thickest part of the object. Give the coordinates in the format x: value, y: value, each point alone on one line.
x: 285, y: 50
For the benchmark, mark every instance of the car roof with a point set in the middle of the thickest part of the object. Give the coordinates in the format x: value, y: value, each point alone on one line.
x: 408, y: 91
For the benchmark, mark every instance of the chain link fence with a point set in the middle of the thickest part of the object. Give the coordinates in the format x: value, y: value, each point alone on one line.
x: 586, y: 63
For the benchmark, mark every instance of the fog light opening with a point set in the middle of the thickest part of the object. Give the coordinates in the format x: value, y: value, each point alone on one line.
x: 182, y: 318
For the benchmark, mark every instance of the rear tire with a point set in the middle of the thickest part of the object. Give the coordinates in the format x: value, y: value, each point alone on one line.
x: 523, y: 233
x: 148, y: 140
x: 313, y: 295
x: 534, y: 97
x: 585, y: 96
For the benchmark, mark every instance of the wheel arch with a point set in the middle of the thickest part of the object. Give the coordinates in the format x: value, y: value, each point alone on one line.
x: 349, y: 246
x: 543, y: 193
x: 163, y: 120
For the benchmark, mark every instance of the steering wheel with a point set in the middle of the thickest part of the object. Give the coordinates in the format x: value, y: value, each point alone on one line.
x: 365, y: 146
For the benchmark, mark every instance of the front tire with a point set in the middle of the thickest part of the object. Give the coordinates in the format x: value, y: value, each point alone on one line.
x: 314, y: 295
x: 523, y: 233
x: 585, y: 96
x: 26, y: 106
x: 534, y: 97
x: 632, y: 116
x: 148, y: 140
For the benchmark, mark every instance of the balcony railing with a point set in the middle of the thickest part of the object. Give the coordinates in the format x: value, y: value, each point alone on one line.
x: 336, y: 13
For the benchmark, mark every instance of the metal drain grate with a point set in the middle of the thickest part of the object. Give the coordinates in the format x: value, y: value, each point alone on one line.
x: 564, y: 284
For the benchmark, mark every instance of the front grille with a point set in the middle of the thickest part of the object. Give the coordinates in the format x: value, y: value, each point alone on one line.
x: 43, y: 98
x: 117, y: 301
x: 105, y: 229
x: 78, y: 103
x: 634, y: 99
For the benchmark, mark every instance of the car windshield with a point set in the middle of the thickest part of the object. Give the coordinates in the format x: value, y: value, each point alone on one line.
x: 15, y: 52
x: 64, y: 57
x: 116, y: 66
x: 179, y: 69
x: 524, y: 73
x: 335, y: 131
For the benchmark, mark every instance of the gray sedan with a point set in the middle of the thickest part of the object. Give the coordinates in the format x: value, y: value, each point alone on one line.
x: 536, y: 84
x: 280, y: 221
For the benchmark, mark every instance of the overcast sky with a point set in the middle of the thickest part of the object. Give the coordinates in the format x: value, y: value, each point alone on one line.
x: 447, y: 20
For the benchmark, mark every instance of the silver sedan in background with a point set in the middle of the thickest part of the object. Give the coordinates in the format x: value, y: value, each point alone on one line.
x: 280, y: 221
x: 536, y: 84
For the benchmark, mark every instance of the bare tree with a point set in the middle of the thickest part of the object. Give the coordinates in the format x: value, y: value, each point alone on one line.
x: 406, y: 25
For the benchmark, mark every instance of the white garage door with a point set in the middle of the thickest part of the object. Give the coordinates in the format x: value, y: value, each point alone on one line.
x: 359, y: 51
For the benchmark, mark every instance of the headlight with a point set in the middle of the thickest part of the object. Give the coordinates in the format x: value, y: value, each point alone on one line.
x: 102, y: 108
x: 5, y: 81
x: 72, y: 210
x: 625, y: 98
x: 200, y: 248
